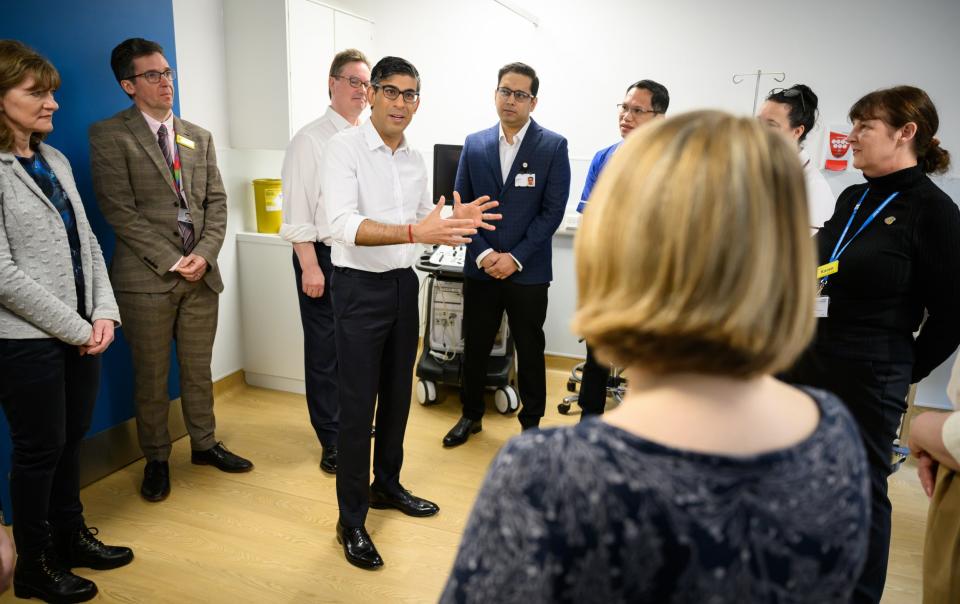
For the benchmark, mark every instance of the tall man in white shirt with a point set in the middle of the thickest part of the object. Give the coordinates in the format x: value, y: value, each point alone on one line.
x: 305, y: 226
x: 378, y: 206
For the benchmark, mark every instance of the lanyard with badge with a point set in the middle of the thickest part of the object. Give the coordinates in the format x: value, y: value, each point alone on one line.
x: 825, y: 270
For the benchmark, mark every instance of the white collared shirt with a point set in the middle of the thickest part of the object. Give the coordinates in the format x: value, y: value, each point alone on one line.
x: 155, y: 127
x: 508, y: 152
x: 304, y: 218
x: 363, y: 179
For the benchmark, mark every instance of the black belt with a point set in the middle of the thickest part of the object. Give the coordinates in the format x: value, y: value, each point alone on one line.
x: 393, y: 274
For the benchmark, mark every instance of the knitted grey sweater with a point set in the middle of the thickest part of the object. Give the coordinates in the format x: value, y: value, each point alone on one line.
x: 38, y: 297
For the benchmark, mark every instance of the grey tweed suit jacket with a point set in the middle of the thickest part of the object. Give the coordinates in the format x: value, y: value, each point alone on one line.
x: 137, y: 195
x: 38, y: 296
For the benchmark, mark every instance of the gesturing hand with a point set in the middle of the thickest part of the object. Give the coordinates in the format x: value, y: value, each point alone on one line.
x: 444, y: 231
x: 475, y: 210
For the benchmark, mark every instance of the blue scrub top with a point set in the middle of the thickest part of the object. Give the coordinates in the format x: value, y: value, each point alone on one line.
x: 596, y: 166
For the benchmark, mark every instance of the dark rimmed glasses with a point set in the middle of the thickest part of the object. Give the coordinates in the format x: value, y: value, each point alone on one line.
x: 520, y: 96
x: 354, y: 81
x: 392, y: 92
x: 153, y: 77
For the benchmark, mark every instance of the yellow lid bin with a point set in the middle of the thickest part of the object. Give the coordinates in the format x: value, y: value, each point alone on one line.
x: 268, y: 197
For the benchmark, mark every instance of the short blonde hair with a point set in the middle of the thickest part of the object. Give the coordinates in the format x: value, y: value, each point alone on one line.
x: 695, y: 254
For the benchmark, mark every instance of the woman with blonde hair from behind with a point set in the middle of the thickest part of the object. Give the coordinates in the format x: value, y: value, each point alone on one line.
x: 713, y: 482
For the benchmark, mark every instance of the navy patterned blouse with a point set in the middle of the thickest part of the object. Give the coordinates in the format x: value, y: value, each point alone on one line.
x: 592, y: 513
x: 40, y: 171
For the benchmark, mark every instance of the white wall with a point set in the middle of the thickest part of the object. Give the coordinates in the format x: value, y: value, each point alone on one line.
x: 201, y: 83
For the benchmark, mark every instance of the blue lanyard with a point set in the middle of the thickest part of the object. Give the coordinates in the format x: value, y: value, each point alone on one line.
x: 837, y: 250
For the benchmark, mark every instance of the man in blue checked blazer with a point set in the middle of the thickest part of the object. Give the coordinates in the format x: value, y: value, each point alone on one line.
x: 526, y: 168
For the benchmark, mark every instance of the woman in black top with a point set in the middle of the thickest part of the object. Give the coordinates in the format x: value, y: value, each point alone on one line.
x: 905, y: 261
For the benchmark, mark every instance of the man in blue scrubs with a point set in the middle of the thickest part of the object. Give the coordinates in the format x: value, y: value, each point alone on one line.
x: 645, y: 101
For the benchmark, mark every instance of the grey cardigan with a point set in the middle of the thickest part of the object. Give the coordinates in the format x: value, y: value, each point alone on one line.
x: 38, y: 296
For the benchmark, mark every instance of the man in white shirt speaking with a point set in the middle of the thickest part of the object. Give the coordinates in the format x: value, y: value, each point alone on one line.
x: 378, y: 207
x: 305, y: 226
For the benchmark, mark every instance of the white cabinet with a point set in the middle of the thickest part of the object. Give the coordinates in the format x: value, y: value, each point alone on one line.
x: 278, y: 54
x: 270, y: 313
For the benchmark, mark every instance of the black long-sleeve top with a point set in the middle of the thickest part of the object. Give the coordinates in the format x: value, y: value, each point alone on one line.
x: 905, y: 261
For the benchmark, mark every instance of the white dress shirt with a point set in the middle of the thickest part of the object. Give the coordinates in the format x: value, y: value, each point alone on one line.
x: 508, y: 153
x: 363, y: 179
x: 820, y: 199
x: 304, y: 217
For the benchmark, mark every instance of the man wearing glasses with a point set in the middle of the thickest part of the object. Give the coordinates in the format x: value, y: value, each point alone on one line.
x: 157, y: 183
x: 305, y: 226
x: 645, y: 101
x: 378, y: 207
x: 526, y: 167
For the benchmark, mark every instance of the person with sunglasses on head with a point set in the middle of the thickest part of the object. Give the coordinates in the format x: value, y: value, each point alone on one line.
x: 793, y: 112
x: 378, y: 207
x: 645, y: 101
x: 888, y: 264
x: 527, y: 168
x: 57, y: 315
x: 157, y: 183
x: 305, y: 226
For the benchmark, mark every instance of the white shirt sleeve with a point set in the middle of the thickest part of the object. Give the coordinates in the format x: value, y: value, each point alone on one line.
x: 342, y: 199
x: 301, y: 190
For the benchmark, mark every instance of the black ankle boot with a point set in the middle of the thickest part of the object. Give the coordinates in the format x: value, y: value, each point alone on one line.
x: 80, y: 547
x: 42, y: 577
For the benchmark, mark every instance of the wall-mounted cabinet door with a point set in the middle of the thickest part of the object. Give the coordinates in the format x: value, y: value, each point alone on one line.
x: 278, y: 56
x: 310, y: 48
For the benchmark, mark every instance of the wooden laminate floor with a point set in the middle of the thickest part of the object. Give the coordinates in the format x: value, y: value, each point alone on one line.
x: 268, y: 536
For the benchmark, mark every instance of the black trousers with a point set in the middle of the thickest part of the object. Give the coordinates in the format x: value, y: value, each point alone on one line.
x: 875, y: 393
x: 319, y: 352
x: 484, y: 303
x: 48, y: 392
x: 376, y: 334
x: 593, y: 385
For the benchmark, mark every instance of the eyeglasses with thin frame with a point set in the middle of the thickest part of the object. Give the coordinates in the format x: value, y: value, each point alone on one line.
x: 354, y: 81
x: 789, y: 93
x: 392, y: 92
x: 153, y: 77
x: 636, y: 112
x: 519, y: 95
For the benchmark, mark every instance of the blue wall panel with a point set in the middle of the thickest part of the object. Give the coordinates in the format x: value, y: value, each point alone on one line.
x: 77, y: 37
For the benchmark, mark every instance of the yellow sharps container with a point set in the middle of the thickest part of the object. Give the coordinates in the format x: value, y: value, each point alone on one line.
x: 268, y: 197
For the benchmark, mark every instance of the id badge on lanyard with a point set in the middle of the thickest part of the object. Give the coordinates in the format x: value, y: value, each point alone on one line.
x: 822, y: 305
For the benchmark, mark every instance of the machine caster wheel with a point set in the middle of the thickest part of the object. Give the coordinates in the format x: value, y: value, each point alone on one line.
x: 505, y: 399
x: 571, y: 385
x: 563, y: 408
x: 426, y: 393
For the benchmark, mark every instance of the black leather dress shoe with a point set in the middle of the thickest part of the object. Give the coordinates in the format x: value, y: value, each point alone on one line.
x: 462, y: 431
x: 405, y: 501
x: 44, y: 578
x: 328, y: 459
x: 82, y: 548
x: 358, y: 548
x: 156, y: 481
x: 221, y: 458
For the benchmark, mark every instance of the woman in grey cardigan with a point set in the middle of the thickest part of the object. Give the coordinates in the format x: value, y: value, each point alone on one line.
x: 57, y: 314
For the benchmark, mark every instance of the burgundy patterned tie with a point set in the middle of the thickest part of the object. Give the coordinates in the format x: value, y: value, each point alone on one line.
x: 184, y: 220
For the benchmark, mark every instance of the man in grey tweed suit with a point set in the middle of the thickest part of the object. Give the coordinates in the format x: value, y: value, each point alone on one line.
x: 158, y: 185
